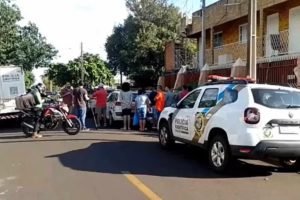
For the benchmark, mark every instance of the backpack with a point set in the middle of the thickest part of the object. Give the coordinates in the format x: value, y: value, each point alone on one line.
x: 27, y: 101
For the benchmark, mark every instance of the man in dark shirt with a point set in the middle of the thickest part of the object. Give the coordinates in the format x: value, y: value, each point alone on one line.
x: 80, y: 98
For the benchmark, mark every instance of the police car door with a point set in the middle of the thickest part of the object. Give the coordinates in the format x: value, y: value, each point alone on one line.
x: 201, y: 113
x: 182, y: 118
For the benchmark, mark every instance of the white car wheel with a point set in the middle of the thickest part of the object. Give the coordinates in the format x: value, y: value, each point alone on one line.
x: 165, y: 138
x: 219, y: 153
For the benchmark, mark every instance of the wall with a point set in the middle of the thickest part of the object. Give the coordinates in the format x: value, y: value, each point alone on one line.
x: 218, y: 13
x: 279, y: 73
x: 170, y: 56
x: 283, y: 10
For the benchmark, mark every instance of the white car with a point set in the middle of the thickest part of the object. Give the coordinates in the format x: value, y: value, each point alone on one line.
x: 236, y: 119
x: 114, y: 108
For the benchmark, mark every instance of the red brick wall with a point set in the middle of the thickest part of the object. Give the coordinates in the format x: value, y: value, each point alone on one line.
x: 170, y: 56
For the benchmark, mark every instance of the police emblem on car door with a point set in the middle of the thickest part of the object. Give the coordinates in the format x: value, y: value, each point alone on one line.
x: 182, y: 120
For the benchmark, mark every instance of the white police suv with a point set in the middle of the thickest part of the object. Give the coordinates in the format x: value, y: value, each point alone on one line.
x: 236, y: 118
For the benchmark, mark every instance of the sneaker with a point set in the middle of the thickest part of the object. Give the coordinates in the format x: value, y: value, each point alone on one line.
x: 86, y: 129
x: 37, y: 136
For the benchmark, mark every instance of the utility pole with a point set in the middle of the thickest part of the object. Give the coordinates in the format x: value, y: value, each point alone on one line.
x: 203, y: 37
x: 81, y: 62
x: 251, y: 51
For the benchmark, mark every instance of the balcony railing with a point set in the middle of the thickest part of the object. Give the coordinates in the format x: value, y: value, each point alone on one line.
x: 270, y: 46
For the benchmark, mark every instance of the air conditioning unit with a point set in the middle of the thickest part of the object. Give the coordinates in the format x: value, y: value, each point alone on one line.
x: 225, y: 59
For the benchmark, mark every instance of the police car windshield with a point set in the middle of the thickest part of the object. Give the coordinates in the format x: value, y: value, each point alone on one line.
x: 276, y: 98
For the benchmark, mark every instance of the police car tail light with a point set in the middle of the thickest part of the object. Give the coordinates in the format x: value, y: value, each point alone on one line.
x: 251, y: 116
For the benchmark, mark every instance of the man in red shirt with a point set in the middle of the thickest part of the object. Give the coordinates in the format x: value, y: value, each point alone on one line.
x: 101, y: 96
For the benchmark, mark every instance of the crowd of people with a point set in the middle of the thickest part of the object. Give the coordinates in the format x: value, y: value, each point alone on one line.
x: 145, y: 102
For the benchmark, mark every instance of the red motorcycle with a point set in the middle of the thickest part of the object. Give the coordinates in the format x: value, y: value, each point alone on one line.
x: 52, y: 115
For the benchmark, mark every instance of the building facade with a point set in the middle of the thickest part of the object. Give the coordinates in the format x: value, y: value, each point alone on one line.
x: 226, y: 25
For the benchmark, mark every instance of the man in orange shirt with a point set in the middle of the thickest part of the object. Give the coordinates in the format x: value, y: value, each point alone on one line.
x: 160, y: 101
x: 101, y: 98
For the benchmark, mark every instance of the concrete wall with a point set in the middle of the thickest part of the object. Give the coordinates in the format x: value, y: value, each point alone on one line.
x: 283, y: 10
x: 218, y: 13
x: 170, y: 56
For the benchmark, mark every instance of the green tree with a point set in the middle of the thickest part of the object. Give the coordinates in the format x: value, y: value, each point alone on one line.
x: 96, y: 71
x: 33, y: 50
x: 22, y: 46
x: 121, y: 46
x: 139, y: 52
x: 9, y: 16
x: 29, y: 79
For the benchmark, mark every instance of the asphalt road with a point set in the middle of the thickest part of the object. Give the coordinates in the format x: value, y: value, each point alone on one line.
x: 110, y: 164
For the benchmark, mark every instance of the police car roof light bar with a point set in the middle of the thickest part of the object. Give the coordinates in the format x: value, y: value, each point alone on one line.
x: 216, y: 79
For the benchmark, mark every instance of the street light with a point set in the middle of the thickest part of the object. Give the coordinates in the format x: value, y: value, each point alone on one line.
x: 203, y: 38
x: 251, y: 51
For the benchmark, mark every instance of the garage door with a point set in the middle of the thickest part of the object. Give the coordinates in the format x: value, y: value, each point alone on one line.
x: 294, y: 39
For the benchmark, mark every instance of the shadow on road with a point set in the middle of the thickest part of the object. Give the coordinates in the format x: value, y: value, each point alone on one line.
x: 147, y: 158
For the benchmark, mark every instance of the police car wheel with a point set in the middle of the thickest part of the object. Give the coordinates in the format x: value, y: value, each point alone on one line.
x: 165, y: 138
x: 219, y: 154
x: 291, y: 164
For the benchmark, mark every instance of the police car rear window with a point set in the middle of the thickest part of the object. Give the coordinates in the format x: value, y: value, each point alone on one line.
x: 276, y: 98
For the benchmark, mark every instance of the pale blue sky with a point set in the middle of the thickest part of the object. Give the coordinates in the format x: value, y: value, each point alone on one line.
x: 66, y: 23
x: 190, y: 6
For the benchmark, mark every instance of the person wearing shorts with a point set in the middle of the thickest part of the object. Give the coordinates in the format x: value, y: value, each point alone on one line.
x: 126, y: 102
x: 142, y: 104
x: 100, y: 110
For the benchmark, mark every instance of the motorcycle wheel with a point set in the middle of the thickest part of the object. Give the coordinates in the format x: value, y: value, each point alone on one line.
x: 76, y: 126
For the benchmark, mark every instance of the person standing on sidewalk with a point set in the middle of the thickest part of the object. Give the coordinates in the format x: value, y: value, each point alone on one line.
x: 67, y: 94
x: 101, y: 98
x: 142, y: 104
x: 184, y: 92
x: 152, y: 96
x: 160, y: 101
x: 126, y: 103
x: 80, y: 98
x: 170, y: 97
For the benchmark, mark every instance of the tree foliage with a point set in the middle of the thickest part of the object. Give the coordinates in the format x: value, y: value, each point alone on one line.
x: 121, y: 46
x: 29, y: 79
x: 21, y: 46
x: 33, y: 50
x: 96, y: 71
x: 9, y: 16
x: 137, y: 46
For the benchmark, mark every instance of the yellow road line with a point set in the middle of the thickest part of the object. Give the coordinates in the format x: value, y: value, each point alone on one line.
x: 141, y: 186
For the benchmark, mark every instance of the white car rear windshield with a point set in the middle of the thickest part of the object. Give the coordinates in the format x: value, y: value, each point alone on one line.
x: 276, y: 98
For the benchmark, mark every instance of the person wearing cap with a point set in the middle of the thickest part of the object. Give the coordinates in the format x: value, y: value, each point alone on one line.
x: 101, y: 96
